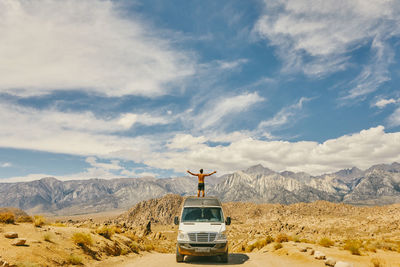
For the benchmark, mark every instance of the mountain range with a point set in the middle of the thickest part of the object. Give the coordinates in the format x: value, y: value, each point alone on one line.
x: 378, y: 185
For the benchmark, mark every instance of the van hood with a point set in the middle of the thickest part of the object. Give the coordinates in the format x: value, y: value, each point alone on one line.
x: 202, y: 227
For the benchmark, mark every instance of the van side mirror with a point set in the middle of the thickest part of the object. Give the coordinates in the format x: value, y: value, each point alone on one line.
x: 176, y: 220
x: 228, y: 221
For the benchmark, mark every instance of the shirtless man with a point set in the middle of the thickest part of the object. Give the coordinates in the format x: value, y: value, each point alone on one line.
x: 201, y: 176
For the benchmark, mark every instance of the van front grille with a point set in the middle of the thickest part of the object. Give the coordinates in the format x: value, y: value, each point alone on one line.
x: 202, y: 237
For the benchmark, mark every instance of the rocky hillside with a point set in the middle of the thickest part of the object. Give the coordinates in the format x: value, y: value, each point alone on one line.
x: 377, y: 185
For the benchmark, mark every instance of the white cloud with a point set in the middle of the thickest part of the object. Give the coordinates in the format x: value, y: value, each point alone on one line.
x: 394, y: 118
x: 232, y: 64
x: 361, y: 149
x: 50, y: 45
x: 218, y: 109
x: 381, y: 103
x: 71, y: 133
x: 5, y: 164
x: 284, y: 116
x: 317, y: 36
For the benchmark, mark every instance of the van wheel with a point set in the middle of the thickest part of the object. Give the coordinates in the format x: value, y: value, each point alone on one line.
x: 179, y: 257
x: 224, y: 258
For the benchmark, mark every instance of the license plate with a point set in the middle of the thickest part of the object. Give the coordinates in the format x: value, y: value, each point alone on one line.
x: 202, y: 250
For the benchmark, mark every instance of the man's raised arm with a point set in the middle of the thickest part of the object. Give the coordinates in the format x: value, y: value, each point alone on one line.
x: 211, y: 173
x: 191, y: 173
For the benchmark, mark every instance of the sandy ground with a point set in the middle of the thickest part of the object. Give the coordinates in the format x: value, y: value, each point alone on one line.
x: 265, y: 259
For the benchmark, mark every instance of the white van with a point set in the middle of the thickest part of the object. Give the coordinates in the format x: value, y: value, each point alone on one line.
x: 202, y: 229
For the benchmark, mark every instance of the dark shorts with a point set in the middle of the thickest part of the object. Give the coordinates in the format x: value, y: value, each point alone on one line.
x: 201, y: 186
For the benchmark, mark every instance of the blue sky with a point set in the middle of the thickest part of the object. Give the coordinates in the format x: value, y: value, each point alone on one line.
x: 136, y: 88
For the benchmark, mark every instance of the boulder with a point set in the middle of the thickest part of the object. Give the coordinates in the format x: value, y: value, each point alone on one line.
x: 343, y: 264
x: 319, y: 255
x: 330, y: 262
x: 11, y: 235
x: 19, y: 242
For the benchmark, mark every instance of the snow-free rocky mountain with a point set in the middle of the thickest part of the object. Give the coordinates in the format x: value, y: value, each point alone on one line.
x: 377, y: 185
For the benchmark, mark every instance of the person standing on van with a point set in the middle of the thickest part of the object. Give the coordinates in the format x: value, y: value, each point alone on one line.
x: 201, y: 176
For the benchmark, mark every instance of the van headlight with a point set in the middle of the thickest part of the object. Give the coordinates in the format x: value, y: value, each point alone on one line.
x: 183, y: 236
x: 221, y: 236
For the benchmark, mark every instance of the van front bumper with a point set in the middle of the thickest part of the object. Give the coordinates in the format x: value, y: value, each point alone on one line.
x: 203, y: 249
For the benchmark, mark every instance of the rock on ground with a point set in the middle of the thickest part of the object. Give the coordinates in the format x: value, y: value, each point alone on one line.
x: 319, y: 255
x: 330, y: 262
x: 343, y: 264
x: 11, y: 235
x: 19, y: 242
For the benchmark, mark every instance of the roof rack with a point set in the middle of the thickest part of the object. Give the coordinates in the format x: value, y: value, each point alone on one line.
x: 202, y: 201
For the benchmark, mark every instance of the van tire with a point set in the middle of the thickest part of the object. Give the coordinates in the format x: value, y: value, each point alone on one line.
x: 224, y: 258
x: 179, y: 257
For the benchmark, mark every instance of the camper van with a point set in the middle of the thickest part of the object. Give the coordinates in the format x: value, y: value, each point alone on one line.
x: 202, y: 229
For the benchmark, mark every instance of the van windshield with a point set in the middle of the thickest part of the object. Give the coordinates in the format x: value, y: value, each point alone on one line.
x: 197, y: 214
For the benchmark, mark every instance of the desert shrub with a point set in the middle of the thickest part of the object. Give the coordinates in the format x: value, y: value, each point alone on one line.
x: 124, y: 251
x: 369, y: 246
x: 131, y: 236
x: 39, y: 221
x: 305, y: 240
x: 105, y: 231
x: 134, y: 246
x: 27, y: 264
x: 148, y: 247
x: 326, y: 242
x: 376, y: 262
x: 282, y: 238
x: 116, y: 229
x: 353, y: 246
x: 24, y: 218
x: 74, y: 259
x: 58, y: 224
x: 47, y: 237
x: 113, y: 250
x: 296, y: 238
x: 278, y: 246
x: 7, y: 217
x: 82, y: 239
x: 269, y: 239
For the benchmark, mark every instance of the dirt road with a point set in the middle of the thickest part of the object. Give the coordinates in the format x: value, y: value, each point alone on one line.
x: 235, y: 259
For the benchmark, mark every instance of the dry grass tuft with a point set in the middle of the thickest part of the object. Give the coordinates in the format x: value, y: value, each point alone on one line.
x: 326, y: 242
x: 22, y: 219
x: 106, y: 231
x: 58, y: 224
x: 82, y: 239
x: 39, y: 220
x: 148, y: 247
x: 47, y: 237
x: 74, y: 260
x: 7, y: 217
x: 282, y: 238
x: 353, y: 246
x: 134, y: 246
x: 376, y: 262
x: 278, y: 246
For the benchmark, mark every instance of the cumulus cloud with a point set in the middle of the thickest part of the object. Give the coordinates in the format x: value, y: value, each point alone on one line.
x: 360, y: 149
x: 317, y: 36
x: 50, y: 45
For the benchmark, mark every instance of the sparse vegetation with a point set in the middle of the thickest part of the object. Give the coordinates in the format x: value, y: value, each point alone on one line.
x: 296, y: 238
x: 58, y: 224
x: 278, y: 246
x: 47, y: 237
x: 353, y: 246
x: 74, y: 260
x: 82, y: 239
x: 148, y: 247
x: 7, y: 217
x: 27, y: 264
x: 24, y: 218
x: 326, y: 242
x: 377, y: 262
x: 105, y: 231
x: 282, y: 238
x: 39, y: 220
x: 134, y: 246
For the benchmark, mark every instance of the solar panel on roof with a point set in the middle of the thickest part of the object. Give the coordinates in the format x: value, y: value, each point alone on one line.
x: 202, y: 202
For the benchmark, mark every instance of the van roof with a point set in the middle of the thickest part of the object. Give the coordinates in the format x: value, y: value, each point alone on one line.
x: 202, y: 201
